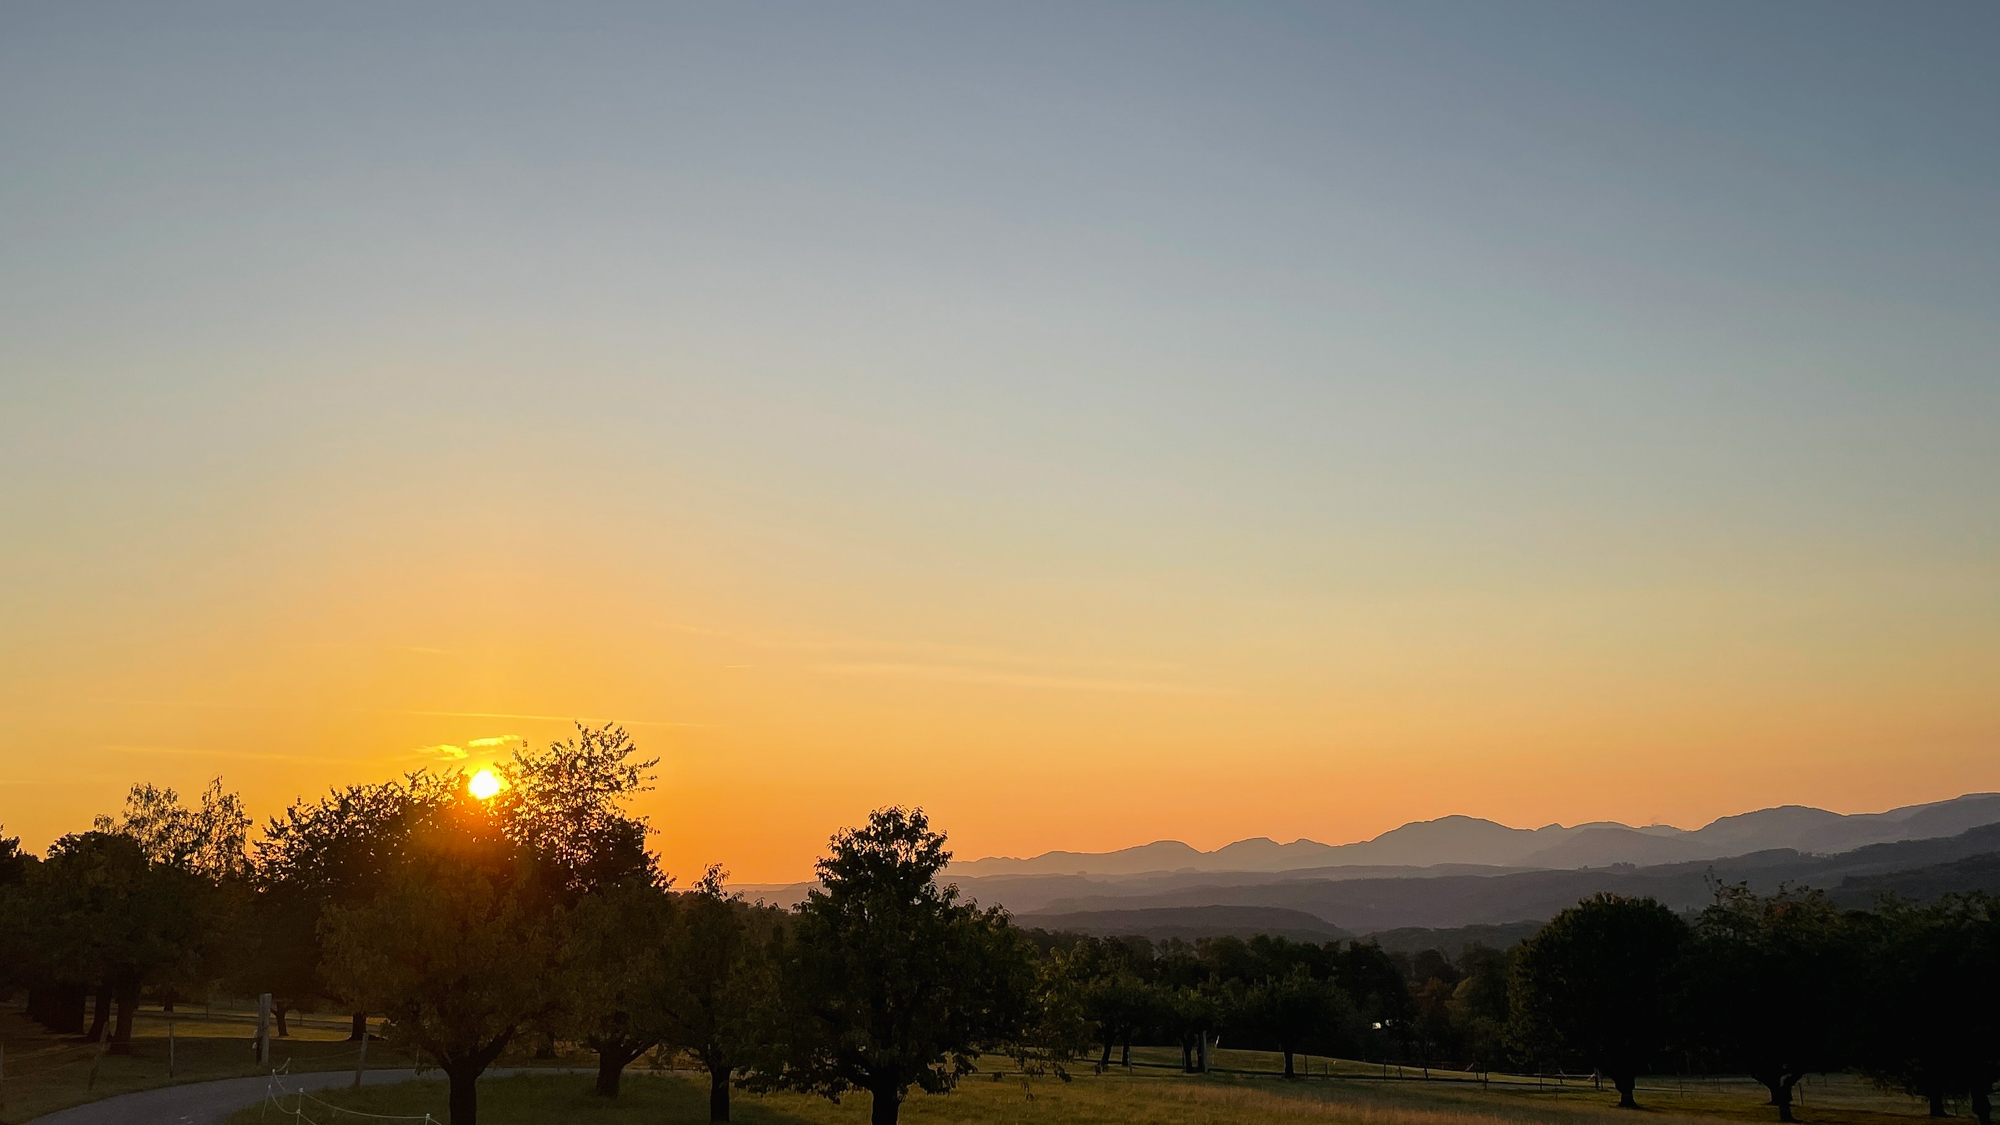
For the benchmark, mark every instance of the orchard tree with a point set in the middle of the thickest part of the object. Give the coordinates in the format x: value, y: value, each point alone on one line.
x: 619, y: 963
x: 1931, y: 989
x: 460, y: 949
x: 1598, y: 985
x: 719, y: 981
x: 565, y: 804
x: 100, y: 912
x: 1769, y: 981
x: 1291, y: 1012
x: 890, y: 981
x: 338, y: 850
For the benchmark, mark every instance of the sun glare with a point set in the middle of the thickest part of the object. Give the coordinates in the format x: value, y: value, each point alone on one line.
x: 484, y: 784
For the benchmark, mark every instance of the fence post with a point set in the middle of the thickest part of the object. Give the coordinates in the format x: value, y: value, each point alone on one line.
x: 264, y: 1030
x: 170, y: 1044
x: 361, y: 1063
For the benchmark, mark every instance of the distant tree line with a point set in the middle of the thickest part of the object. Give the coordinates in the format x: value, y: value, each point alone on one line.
x: 539, y: 917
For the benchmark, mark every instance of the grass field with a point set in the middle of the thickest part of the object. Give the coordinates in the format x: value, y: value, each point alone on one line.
x: 46, y: 1072
x: 1146, y: 1096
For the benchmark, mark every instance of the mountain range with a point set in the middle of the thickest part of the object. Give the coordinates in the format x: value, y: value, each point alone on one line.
x: 1471, y: 840
x: 1461, y: 879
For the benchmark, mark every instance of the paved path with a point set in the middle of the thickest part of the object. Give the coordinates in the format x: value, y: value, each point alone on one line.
x: 207, y: 1103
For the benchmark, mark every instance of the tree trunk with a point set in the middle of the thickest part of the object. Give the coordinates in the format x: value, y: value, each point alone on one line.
x: 100, y: 1015
x: 1982, y: 1102
x: 1625, y: 1084
x: 718, y: 1095
x: 284, y: 1030
x: 1780, y: 1085
x: 1105, y: 1062
x: 59, y: 1007
x: 128, y: 1007
x: 1937, y: 1103
x: 1127, y: 1058
x: 359, y: 1030
x: 1289, y: 1072
x: 464, y: 1101
x: 888, y: 1102
x: 610, y: 1068
x: 1187, y: 1055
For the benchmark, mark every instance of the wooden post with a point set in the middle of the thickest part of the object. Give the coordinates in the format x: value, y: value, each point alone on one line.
x: 170, y: 1045
x: 264, y: 1030
x: 103, y: 1045
x: 361, y: 1063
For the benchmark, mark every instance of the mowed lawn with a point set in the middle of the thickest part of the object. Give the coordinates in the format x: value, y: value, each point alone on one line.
x: 1145, y: 1096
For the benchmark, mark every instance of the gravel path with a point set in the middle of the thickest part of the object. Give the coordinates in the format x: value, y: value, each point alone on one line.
x: 206, y: 1103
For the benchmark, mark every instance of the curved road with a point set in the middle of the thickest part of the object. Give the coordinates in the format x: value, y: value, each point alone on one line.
x: 205, y: 1103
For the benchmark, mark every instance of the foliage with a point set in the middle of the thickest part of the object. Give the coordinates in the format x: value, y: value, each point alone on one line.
x: 336, y: 851
x: 618, y: 974
x: 1770, y: 994
x: 889, y: 981
x: 1597, y: 986
x: 207, y: 841
x: 565, y: 805
x: 719, y: 982
x: 1930, y: 990
x: 459, y: 948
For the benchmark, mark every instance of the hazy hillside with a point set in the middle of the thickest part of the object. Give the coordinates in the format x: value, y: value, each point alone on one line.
x: 1471, y: 840
x: 1449, y: 901
x: 1191, y: 922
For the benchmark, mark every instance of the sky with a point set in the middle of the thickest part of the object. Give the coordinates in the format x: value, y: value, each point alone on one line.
x: 1092, y: 422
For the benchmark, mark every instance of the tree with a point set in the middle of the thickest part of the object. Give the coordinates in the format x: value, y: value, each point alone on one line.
x: 1479, y: 1008
x: 1598, y: 984
x: 338, y: 850
x: 619, y: 965
x: 718, y: 981
x: 1114, y: 994
x: 1055, y: 1030
x: 1291, y: 1012
x: 99, y: 912
x: 890, y: 981
x: 1768, y: 976
x: 207, y: 840
x: 1929, y: 994
x: 564, y: 804
x: 1193, y: 1014
x: 460, y: 949
x: 1380, y: 992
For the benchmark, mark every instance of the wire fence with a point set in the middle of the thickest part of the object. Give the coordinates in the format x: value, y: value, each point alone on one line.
x: 276, y: 1093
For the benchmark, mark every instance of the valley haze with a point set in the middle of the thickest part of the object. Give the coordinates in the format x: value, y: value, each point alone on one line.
x: 1477, y: 879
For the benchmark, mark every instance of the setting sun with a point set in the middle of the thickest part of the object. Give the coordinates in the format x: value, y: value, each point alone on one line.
x: 484, y: 784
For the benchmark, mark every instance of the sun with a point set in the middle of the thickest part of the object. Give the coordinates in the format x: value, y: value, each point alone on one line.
x: 484, y: 784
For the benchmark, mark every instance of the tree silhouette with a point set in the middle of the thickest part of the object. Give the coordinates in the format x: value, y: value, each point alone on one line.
x: 890, y: 981
x: 1598, y: 985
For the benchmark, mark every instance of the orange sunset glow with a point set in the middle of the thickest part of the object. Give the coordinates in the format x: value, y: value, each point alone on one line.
x: 1232, y: 429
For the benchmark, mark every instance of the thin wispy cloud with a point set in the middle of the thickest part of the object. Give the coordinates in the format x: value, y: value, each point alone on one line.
x: 496, y: 740
x: 209, y: 752
x: 960, y: 674
x: 442, y: 752
x: 545, y: 718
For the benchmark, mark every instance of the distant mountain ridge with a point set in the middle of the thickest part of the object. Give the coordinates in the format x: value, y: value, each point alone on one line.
x: 1472, y: 840
x: 1919, y: 869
